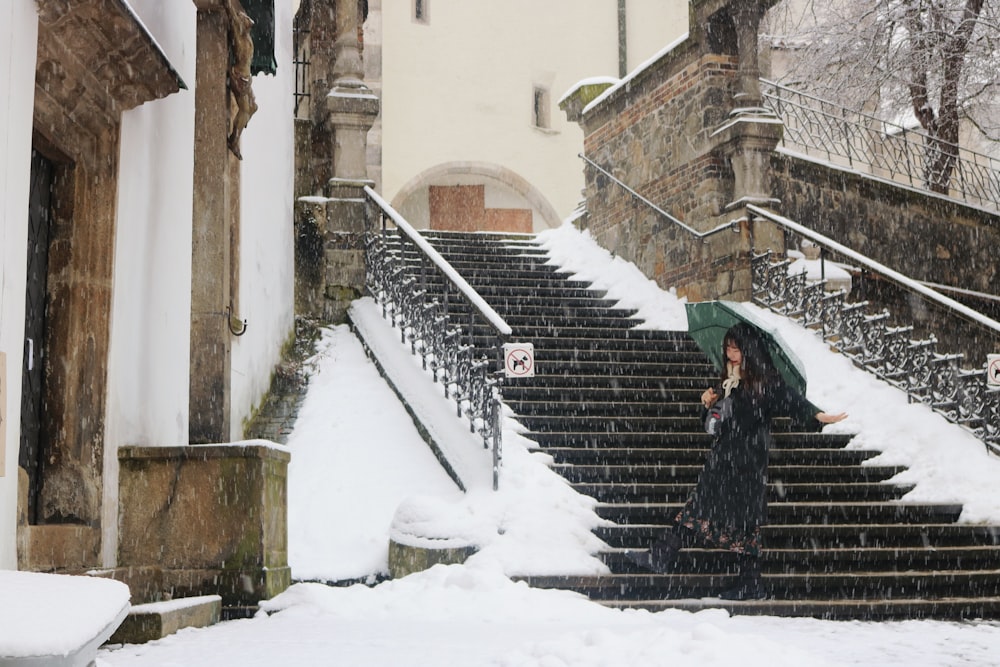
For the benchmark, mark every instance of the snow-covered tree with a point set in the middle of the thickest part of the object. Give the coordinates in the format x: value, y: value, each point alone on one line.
x: 932, y: 61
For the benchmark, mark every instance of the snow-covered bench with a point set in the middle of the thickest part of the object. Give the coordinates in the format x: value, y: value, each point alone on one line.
x: 52, y: 620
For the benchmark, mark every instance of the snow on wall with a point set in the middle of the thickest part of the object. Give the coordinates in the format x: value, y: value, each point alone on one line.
x: 18, y: 46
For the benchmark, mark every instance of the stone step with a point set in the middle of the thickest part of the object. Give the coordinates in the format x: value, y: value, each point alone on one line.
x: 828, y: 561
x: 650, y: 492
x: 568, y: 356
x: 512, y: 285
x: 595, y: 335
x: 578, y: 408
x: 812, y: 586
x: 610, y: 423
x: 436, y: 236
x: 784, y: 474
x: 156, y: 620
x: 703, y: 373
x: 557, y: 318
x: 799, y: 512
x: 660, y: 457
x: 487, y: 251
x: 681, y: 439
x: 526, y: 328
x: 635, y: 339
x: 869, y: 609
x: 624, y: 383
x: 610, y: 392
x: 504, y: 265
x: 828, y: 536
x: 508, y: 274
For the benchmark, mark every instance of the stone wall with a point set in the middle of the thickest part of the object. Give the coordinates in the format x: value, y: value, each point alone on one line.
x: 923, y: 236
x: 656, y: 136
x: 687, y: 133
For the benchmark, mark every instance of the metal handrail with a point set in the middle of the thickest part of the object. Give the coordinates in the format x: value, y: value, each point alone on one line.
x: 870, y: 264
x: 872, y: 343
x: 427, y: 321
x: 447, y: 270
x: 886, y: 150
x: 733, y: 225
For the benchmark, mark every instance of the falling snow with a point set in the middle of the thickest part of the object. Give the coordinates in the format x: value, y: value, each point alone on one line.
x: 341, y: 520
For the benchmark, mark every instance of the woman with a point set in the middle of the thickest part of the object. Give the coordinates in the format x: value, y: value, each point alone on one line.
x: 728, y: 505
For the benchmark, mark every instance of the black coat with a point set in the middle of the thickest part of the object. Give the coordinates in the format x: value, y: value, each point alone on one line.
x: 728, y: 505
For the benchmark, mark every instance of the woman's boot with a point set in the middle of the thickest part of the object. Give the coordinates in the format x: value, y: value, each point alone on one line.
x: 661, y: 554
x: 748, y: 584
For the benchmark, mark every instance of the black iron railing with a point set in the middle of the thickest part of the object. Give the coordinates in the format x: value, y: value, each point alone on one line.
x: 823, y: 129
x: 300, y: 39
x: 871, y: 341
x: 419, y: 292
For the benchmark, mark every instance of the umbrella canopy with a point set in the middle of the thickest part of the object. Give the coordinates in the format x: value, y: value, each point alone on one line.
x: 709, y: 321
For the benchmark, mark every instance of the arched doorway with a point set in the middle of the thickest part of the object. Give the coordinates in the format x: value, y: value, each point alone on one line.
x: 474, y: 196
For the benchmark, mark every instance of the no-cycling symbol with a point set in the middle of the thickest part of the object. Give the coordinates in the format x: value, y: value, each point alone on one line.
x: 519, y: 360
x: 993, y: 370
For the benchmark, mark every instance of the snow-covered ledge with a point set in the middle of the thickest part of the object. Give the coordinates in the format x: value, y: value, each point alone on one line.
x: 54, y: 620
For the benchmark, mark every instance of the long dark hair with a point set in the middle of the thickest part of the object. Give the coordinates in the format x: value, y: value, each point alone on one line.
x: 757, y: 370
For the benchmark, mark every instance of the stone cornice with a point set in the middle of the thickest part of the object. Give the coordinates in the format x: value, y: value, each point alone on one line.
x: 101, y: 57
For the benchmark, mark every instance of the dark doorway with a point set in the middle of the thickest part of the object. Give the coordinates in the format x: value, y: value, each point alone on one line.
x: 33, y: 373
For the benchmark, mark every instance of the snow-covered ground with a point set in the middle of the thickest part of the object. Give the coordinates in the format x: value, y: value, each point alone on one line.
x: 360, y: 473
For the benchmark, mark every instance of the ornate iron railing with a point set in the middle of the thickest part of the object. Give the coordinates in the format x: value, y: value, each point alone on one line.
x: 882, y: 149
x: 870, y: 340
x: 420, y: 293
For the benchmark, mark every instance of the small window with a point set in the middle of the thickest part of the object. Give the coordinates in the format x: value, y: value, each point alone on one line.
x: 540, y: 107
x: 420, y: 11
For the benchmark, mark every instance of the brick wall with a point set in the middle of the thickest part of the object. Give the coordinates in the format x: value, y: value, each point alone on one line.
x: 655, y: 135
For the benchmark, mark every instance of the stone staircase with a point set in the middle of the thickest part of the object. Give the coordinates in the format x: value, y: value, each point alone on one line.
x: 617, y: 409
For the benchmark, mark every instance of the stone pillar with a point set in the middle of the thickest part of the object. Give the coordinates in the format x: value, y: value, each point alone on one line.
x: 748, y: 139
x: 214, y: 192
x: 322, y: 49
x: 746, y: 15
x: 351, y: 110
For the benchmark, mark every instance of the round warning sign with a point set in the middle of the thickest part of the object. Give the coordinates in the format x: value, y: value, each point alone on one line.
x: 993, y: 370
x: 519, y: 359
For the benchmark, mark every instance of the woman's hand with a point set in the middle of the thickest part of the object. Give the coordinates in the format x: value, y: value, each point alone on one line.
x: 709, y: 397
x: 825, y: 418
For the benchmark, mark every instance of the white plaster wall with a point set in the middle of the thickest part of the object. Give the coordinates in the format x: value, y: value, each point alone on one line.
x: 267, y: 275
x: 18, y: 46
x: 148, y: 360
x: 652, y: 24
x: 459, y: 89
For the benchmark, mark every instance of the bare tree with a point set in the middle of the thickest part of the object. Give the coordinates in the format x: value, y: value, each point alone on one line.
x: 938, y: 58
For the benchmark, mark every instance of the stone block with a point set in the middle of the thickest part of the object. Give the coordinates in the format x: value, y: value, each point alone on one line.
x: 212, y: 517
x: 59, y: 547
x: 405, y: 559
x: 156, y: 620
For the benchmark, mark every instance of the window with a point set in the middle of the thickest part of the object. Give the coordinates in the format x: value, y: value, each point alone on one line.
x: 540, y: 107
x: 420, y: 14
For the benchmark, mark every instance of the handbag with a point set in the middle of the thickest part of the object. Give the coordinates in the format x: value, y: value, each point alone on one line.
x: 717, y: 415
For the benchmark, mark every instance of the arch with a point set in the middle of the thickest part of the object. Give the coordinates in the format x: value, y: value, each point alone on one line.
x: 465, y: 173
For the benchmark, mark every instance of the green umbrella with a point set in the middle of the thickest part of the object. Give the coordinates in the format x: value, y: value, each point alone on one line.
x: 709, y: 321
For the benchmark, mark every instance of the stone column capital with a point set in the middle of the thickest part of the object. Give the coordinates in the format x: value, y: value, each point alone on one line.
x: 748, y: 139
